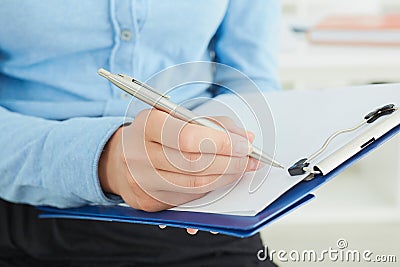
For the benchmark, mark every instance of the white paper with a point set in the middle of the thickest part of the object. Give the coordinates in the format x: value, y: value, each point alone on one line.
x: 303, y: 120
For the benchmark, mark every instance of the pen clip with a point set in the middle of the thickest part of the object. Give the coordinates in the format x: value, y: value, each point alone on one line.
x: 133, y: 80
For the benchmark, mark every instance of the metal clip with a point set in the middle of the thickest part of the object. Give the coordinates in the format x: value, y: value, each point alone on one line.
x: 150, y: 88
x: 302, y: 166
x: 298, y: 168
x: 143, y: 85
x: 376, y: 114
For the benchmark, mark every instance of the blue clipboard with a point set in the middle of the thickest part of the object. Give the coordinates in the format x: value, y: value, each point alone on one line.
x: 239, y: 226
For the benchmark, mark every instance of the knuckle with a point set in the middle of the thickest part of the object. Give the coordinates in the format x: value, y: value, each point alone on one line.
x: 154, y: 158
x: 145, y: 121
x: 153, y: 116
x: 153, y: 121
x: 198, y: 182
x: 185, y: 140
x: 144, y: 114
x: 193, y: 162
x: 239, y: 165
x: 201, y: 182
x: 154, y: 113
x: 224, y: 145
x: 191, y: 181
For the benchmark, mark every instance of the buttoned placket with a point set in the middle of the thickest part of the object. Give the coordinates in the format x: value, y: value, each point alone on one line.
x: 127, y: 17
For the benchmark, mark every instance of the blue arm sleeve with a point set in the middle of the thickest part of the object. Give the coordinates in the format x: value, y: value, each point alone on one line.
x: 45, y: 162
x: 248, y: 40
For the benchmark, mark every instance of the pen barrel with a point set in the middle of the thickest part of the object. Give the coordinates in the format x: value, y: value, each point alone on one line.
x: 189, y: 116
x: 158, y: 101
x: 258, y: 154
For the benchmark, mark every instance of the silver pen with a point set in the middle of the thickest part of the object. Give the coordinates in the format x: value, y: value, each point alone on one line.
x: 159, y: 101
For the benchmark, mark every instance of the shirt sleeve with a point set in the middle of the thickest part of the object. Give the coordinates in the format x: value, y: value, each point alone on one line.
x: 53, y: 162
x: 248, y: 40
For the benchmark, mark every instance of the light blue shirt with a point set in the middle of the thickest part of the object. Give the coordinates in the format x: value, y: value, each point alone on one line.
x: 56, y: 113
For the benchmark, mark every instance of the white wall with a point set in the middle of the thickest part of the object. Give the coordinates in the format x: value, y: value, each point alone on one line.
x: 307, y: 66
x: 362, y: 204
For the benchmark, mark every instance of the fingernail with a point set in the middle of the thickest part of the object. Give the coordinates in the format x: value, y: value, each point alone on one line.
x: 162, y: 226
x: 192, y: 231
x: 242, y: 147
x: 251, y: 135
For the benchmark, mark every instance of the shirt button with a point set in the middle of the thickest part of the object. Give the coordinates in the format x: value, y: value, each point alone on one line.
x: 126, y: 35
x: 124, y: 95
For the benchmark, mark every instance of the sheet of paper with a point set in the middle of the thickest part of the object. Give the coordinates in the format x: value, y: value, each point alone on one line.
x: 303, y: 120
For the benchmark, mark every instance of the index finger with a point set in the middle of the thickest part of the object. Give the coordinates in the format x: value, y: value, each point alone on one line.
x: 174, y: 133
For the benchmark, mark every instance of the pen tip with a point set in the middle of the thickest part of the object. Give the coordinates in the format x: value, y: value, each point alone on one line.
x: 278, y: 165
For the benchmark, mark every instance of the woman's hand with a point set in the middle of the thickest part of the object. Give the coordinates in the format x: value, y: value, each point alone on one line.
x: 158, y: 161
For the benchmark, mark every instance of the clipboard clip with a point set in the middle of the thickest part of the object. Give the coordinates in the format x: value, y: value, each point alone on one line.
x: 303, y: 165
x: 376, y: 114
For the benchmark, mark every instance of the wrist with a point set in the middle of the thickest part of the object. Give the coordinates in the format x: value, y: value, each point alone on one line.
x: 109, y: 162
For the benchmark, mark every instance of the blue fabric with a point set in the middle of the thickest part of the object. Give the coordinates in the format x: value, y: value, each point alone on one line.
x: 56, y: 113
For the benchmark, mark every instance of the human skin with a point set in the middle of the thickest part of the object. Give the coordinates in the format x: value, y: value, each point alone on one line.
x: 158, y: 161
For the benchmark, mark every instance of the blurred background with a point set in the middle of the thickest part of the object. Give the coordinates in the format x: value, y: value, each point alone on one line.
x: 362, y: 205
